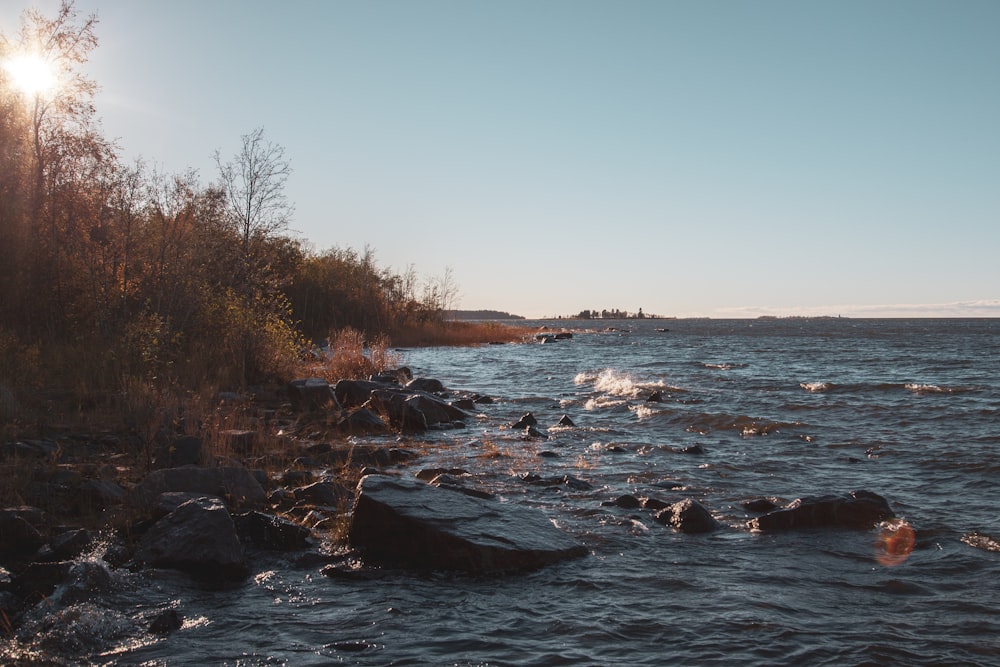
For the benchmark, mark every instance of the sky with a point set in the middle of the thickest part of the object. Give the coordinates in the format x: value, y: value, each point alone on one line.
x: 700, y: 158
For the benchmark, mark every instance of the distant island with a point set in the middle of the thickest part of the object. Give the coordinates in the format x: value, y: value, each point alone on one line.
x: 481, y: 315
x: 614, y: 314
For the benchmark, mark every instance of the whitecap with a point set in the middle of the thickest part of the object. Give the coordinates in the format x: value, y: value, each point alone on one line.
x: 816, y: 386
x: 927, y: 389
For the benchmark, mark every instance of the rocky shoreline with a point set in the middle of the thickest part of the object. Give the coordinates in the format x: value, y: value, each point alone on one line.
x: 339, y: 505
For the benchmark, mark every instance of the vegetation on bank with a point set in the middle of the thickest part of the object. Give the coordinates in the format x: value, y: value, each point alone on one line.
x: 116, y: 279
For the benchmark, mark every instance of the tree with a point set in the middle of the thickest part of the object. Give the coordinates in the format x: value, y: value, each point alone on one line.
x: 253, y: 184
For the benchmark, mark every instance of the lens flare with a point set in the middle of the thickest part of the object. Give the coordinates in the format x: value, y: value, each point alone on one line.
x: 31, y: 74
x: 895, y: 542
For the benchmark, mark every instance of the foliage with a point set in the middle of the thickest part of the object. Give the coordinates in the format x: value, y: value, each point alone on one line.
x: 116, y: 274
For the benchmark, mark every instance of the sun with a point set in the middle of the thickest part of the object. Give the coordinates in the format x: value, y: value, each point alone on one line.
x: 31, y: 74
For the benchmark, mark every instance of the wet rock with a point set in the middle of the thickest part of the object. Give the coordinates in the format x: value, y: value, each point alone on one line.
x: 66, y: 545
x: 693, y: 449
x: 760, y: 505
x: 271, y: 532
x: 688, y: 516
x: 574, y: 483
x: 312, y: 394
x: 237, y: 486
x: 655, y: 397
x: 450, y: 482
x: 464, y: 404
x: 198, y: 538
x: 565, y: 421
x: 39, y: 580
x: 166, y: 622
x: 427, y: 474
x: 859, y: 509
x: 408, y: 523
x: 627, y: 501
x: 479, y: 399
x: 535, y: 433
x: 654, y: 504
x: 981, y: 541
x: 525, y: 421
x: 425, y: 384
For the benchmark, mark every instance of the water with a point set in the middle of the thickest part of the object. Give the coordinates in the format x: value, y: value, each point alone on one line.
x: 779, y: 408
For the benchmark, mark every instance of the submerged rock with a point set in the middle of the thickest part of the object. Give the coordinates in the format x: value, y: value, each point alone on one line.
x: 859, y: 509
x: 688, y: 516
x: 408, y: 523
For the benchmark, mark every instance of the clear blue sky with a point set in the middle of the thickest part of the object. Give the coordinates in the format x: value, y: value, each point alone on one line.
x: 687, y: 158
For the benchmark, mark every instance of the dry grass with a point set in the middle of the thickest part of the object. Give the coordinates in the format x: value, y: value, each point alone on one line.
x: 350, y: 356
x: 431, y: 334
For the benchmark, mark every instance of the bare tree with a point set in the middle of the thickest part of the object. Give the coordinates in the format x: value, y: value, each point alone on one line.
x: 253, y: 184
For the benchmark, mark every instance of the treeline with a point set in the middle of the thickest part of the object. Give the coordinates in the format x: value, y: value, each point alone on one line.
x: 111, y: 271
x: 614, y: 314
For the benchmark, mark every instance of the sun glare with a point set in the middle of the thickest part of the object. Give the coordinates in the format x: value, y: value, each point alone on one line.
x: 30, y: 74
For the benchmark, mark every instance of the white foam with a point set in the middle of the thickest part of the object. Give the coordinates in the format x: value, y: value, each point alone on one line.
x: 815, y: 386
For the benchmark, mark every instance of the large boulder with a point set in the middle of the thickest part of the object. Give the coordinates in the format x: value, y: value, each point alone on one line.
x: 354, y: 393
x: 407, y: 523
x: 312, y: 394
x: 199, y: 538
x: 236, y: 485
x: 858, y: 509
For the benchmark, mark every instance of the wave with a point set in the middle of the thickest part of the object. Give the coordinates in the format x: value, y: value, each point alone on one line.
x: 614, y: 382
x: 724, y: 366
x: 916, y: 388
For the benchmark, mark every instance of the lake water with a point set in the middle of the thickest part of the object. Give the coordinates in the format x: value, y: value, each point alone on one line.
x: 780, y: 408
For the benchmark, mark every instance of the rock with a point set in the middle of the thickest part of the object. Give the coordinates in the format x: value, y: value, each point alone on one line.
x: 182, y: 451
x: 688, y: 516
x: 363, y: 422
x: 479, y: 399
x: 627, y: 501
x: 67, y: 545
x: 760, y: 505
x: 237, y: 486
x: 34, y: 449
x: 310, y: 394
x: 654, y: 504
x: 564, y: 335
x: 402, y: 415
x: 168, y: 501
x: 655, y: 397
x: 166, y: 622
x: 408, y: 523
x: 981, y: 541
x: 271, y: 532
x: 198, y: 538
x: 39, y: 580
x: 322, y: 493
x: 100, y: 494
x: 859, y: 510
x: 566, y: 421
x: 429, y: 385
x: 354, y: 393
x: 526, y: 420
x: 18, y: 535
x: 464, y: 404
x: 436, y: 410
